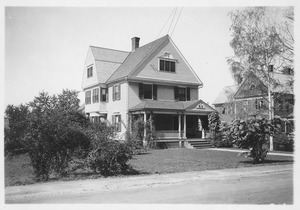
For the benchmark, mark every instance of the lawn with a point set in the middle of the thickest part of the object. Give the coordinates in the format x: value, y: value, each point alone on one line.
x: 18, y: 172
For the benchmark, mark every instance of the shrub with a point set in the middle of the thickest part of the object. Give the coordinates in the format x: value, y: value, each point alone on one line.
x: 282, y: 142
x: 107, y: 156
x: 253, y: 134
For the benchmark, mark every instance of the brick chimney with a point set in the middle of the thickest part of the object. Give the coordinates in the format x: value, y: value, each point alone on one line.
x: 135, y: 43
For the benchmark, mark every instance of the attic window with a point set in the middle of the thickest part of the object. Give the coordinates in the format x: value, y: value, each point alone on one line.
x: 89, y: 71
x: 252, y: 87
x: 167, y: 62
x: 200, y: 106
x: 166, y: 65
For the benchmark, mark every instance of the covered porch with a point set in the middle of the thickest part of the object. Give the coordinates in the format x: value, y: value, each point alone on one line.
x: 180, y: 121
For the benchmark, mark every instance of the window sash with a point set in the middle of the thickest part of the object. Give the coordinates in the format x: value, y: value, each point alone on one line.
x: 166, y: 65
x: 96, y: 95
x: 89, y: 71
x: 88, y: 97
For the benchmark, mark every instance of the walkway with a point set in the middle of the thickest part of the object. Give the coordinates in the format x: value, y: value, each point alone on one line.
x: 244, y: 150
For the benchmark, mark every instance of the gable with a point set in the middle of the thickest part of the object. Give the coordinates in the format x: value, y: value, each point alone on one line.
x: 199, y: 106
x: 104, y: 61
x: 134, y: 59
x: 252, y: 86
x: 226, y: 95
x: 149, y: 70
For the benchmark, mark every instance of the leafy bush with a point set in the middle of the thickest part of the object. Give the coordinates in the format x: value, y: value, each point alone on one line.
x: 110, y: 158
x: 52, y: 132
x: 253, y: 134
x: 282, y: 142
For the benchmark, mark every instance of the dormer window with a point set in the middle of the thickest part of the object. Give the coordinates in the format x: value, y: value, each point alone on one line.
x: 167, y: 62
x: 89, y: 71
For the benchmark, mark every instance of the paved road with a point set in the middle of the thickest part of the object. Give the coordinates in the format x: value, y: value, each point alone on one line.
x: 253, y: 185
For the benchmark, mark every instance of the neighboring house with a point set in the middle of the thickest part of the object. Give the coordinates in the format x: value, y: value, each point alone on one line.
x: 250, y: 98
x: 224, y: 103
x: 152, y: 81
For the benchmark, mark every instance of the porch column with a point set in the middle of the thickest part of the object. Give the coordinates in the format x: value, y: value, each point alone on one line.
x: 130, y: 122
x: 145, y: 131
x: 184, y: 126
x: 179, y: 126
x: 179, y: 130
x: 203, y: 134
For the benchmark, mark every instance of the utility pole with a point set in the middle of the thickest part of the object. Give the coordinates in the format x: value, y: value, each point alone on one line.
x: 270, y: 69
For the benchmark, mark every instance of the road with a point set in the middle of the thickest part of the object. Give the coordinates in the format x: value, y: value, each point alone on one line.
x: 253, y: 185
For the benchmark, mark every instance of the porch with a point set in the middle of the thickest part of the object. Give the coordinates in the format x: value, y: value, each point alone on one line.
x: 175, y: 123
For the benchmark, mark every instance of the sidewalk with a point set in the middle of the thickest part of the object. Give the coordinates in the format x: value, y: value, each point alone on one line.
x: 245, y: 150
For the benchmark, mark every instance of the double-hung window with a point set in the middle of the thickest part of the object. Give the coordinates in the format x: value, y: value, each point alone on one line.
x: 116, y: 120
x: 182, y: 94
x: 167, y: 65
x: 147, y: 91
x: 117, y: 92
x: 88, y: 97
x: 104, y: 94
x: 89, y: 71
x: 96, y: 95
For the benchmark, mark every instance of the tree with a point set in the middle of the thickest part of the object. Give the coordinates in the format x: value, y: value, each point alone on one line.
x: 52, y: 132
x: 13, y: 134
x: 261, y: 37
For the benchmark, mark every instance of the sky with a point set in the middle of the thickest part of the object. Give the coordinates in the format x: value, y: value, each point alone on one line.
x: 46, y: 47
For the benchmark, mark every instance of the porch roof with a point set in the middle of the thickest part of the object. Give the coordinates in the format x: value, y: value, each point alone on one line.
x: 152, y: 105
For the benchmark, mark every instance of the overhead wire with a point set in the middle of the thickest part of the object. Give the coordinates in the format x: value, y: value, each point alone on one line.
x: 176, y: 21
x: 172, y: 20
x: 166, y: 22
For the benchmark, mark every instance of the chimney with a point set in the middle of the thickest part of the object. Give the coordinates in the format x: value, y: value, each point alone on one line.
x: 135, y: 43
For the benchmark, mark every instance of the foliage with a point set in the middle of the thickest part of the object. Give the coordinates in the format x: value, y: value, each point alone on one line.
x: 53, y: 132
x: 14, y: 132
x: 282, y: 142
x: 137, y: 133
x: 261, y: 37
x: 107, y: 156
x: 253, y: 134
x: 214, y: 127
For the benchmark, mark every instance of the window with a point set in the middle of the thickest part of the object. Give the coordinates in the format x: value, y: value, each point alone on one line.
x: 89, y: 71
x: 182, y: 94
x: 96, y: 95
x: 88, y: 97
x: 104, y: 95
x: 252, y: 87
x: 260, y: 104
x: 147, y: 91
x: 223, y: 110
x: 116, y: 92
x: 116, y: 120
x: 166, y: 65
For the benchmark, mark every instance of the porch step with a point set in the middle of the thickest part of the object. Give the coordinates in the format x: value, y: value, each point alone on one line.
x: 200, y: 144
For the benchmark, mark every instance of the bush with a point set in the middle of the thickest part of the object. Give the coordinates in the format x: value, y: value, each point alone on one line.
x: 222, y: 139
x: 110, y: 158
x: 107, y: 156
x: 253, y: 134
x: 282, y: 142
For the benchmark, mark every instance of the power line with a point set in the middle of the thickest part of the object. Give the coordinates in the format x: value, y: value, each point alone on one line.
x: 166, y: 22
x: 172, y: 20
x: 177, y: 21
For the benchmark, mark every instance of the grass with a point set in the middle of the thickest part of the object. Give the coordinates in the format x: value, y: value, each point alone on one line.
x: 18, y: 172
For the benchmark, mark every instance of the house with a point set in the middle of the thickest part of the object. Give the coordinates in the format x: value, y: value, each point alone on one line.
x: 152, y: 81
x: 250, y: 98
x: 224, y: 103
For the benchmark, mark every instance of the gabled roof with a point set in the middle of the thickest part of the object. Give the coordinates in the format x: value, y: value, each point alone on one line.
x: 135, y: 58
x: 107, y: 61
x: 171, y: 106
x: 226, y: 95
